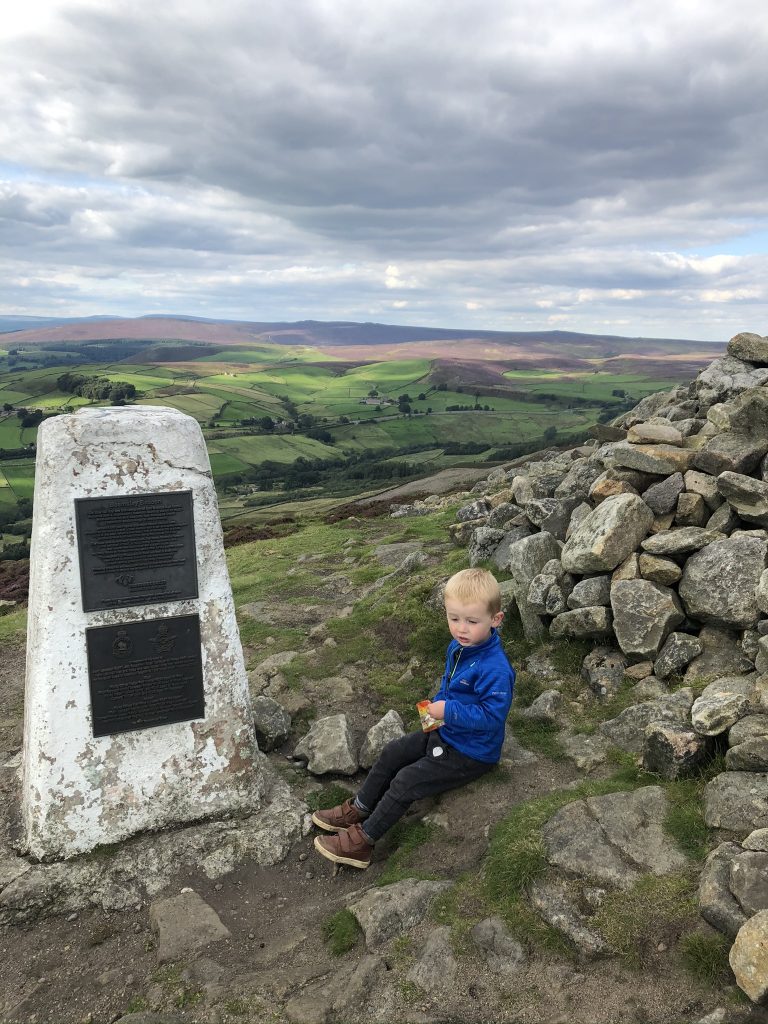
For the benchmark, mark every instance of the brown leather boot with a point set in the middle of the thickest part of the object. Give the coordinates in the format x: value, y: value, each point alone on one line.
x: 335, y: 819
x: 349, y: 846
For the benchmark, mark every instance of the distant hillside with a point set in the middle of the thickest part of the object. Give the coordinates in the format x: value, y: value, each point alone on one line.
x: 369, y: 341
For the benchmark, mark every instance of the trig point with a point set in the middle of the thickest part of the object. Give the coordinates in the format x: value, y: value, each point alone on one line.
x: 137, y: 712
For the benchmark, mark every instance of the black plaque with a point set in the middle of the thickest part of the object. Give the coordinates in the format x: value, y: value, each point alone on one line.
x: 138, y: 549
x: 144, y: 674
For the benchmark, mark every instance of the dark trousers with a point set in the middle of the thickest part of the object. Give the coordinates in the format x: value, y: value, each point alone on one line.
x: 411, y: 768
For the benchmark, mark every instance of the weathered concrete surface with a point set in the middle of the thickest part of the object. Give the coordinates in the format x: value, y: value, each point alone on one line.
x: 80, y: 791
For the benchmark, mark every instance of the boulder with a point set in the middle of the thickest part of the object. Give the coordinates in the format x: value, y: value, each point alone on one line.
x: 551, y: 514
x: 662, y: 497
x: 461, y: 533
x: 388, y: 728
x: 485, y: 540
x: 723, y: 520
x: 328, y: 747
x: 722, y: 656
x: 607, y: 535
x: 729, y: 451
x: 505, y: 515
x: 528, y: 556
x: 504, y: 955
x: 722, y: 703
x: 749, y: 756
x: 184, y: 924
x: 746, y: 496
x: 271, y: 722
x: 387, y: 911
x: 706, y: 486
x: 719, y: 581
x: 660, y: 459
x: 724, y: 378
x: 512, y: 535
x: 678, y: 651
x: 749, y: 347
x: 691, y: 510
x: 603, y: 669
x: 435, y: 968
x: 578, y: 480
x: 644, y: 614
x: 475, y: 510
x: 674, y: 751
x: 582, y: 623
x: 681, y: 541
x: 654, y: 433
x: 591, y: 593
x: 717, y: 904
x: 628, y: 570
x: 555, y: 904
x: 544, y: 707
x: 737, y: 801
x: 749, y: 957
x: 578, y: 516
x: 659, y: 570
x: 757, y: 840
x: 749, y: 881
x: 627, y: 729
x: 614, y: 839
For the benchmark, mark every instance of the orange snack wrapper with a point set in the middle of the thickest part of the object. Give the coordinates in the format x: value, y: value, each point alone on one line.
x: 428, y: 723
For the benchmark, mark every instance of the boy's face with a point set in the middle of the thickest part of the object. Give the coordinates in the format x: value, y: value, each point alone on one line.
x: 471, y: 623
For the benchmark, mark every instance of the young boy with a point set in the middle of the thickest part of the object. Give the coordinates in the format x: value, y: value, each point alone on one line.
x: 472, y: 705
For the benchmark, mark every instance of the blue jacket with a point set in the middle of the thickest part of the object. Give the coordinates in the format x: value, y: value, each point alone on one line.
x: 477, y: 688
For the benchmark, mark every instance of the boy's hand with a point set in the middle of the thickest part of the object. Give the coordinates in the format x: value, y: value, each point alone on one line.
x: 437, y: 710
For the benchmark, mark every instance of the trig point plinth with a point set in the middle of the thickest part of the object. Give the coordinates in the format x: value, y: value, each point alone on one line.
x: 137, y: 713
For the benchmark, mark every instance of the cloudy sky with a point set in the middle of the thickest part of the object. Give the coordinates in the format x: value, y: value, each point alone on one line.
x: 500, y: 164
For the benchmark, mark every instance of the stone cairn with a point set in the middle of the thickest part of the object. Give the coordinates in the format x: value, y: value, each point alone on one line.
x: 653, y: 540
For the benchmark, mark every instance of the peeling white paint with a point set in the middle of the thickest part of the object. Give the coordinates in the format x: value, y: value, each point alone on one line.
x: 79, y: 791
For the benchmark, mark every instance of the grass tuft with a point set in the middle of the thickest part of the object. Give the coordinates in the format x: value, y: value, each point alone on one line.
x: 540, y: 737
x: 656, y: 910
x: 405, y: 838
x: 341, y: 932
x: 567, y: 655
x: 684, y: 821
x: 328, y: 796
x: 705, y: 957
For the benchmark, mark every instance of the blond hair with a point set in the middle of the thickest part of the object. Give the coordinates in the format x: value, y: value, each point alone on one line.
x: 475, y: 585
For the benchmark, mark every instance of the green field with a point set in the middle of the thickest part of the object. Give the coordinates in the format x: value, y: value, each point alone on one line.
x: 230, y: 390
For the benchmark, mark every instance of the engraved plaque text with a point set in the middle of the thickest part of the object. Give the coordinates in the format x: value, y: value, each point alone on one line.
x: 144, y: 674
x: 138, y: 549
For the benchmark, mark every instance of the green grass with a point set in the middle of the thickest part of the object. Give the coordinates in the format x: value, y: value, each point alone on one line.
x: 567, y: 655
x: 328, y: 796
x: 705, y: 957
x: 13, y: 627
x: 341, y: 932
x: 540, y: 737
x: 657, y: 909
x: 404, y: 839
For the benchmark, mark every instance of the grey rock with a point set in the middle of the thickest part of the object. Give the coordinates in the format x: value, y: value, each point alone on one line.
x: 648, y: 689
x: 749, y: 881
x: 551, y: 514
x: 513, y: 754
x: 678, y: 651
x: 614, y: 839
x: 673, y: 751
x: 554, y: 905
x: 271, y: 722
x: 184, y: 924
x: 749, y: 756
x: 737, y: 801
x: 485, y: 540
x: 761, y: 658
x: 586, y: 752
x: 504, y: 955
x: 328, y: 747
x: 538, y: 591
x: 681, y: 541
x: 724, y: 378
x: 644, y: 614
x: 757, y: 840
x: 393, y: 554
x: 591, y: 593
x: 578, y: 479
x: 654, y: 433
x: 528, y: 556
x: 723, y: 520
x: 475, y: 510
x: 749, y: 957
x: 388, y: 728
x: 603, y: 669
x: 705, y: 485
x: 722, y: 703
x: 582, y: 623
x: 659, y: 570
x: 578, y: 516
x: 717, y: 903
x: 719, y: 581
x: 555, y: 603
x: 747, y: 413
x: 386, y: 912
x: 661, y: 459
x: 504, y: 514
x: 435, y: 968
x: 461, y: 533
x: 689, y: 426
x: 627, y: 729
x: 749, y: 347
x: 722, y: 656
x: 750, y: 638
x: 750, y: 727
x: 544, y: 708
x: 512, y: 535
x: 729, y: 451
x: 607, y: 535
x: 649, y: 406
x: 628, y: 570
x: 746, y: 496
x: 691, y: 510
x: 662, y: 497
